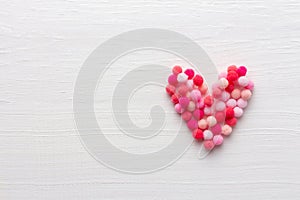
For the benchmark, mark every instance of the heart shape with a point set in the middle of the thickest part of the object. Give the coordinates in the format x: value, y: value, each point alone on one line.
x: 210, y: 116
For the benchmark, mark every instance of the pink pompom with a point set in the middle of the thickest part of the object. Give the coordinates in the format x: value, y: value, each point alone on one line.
x: 243, y: 81
x: 172, y: 79
x: 184, y: 102
x: 178, y: 108
x: 232, y: 76
x: 190, y: 73
x: 225, y: 96
x: 211, y: 120
x: 223, y: 83
x: 192, y: 124
x: 208, y: 135
x: 242, y: 103
x: 216, y: 129
x: 231, y: 122
x: 236, y: 94
x: 226, y: 130
x: 246, y: 94
x: 198, y: 134
x: 186, y: 116
x: 198, y: 80
x: 191, y: 107
x: 202, y: 124
x: 238, y: 112
x: 231, y: 103
x: 220, y: 106
x: 176, y: 70
x: 182, y: 78
x: 220, y: 116
x: 209, y: 144
x: 250, y: 85
x: 217, y: 92
x: 182, y: 90
x: 208, y: 110
x: 195, y: 95
x: 218, y: 139
x: 242, y: 71
x: 198, y: 114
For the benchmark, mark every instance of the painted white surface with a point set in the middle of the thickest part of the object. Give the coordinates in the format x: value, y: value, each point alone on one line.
x: 44, y: 43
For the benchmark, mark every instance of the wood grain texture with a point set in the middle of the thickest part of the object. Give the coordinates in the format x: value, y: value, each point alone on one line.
x: 44, y: 43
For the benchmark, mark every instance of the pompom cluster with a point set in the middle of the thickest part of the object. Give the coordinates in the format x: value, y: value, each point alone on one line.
x: 210, y: 116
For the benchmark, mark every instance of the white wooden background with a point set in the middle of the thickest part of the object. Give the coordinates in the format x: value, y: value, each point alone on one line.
x: 44, y: 43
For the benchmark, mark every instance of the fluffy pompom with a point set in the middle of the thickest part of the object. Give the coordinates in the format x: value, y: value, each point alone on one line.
x: 208, y: 110
x: 182, y: 77
x: 216, y: 129
x: 218, y: 139
x: 246, y: 94
x: 184, y: 102
x: 226, y: 130
x: 198, y: 80
x: 231, y: 122
x: 211, y: 120
x: 243, y: 81
x: 196, y: 95
x: 190, y: 73
x: 192, y: 124
x: 238, y: 112
x: 191, y: 107
x: 198, y: 114
x: 209, y: 145
x: 225, y: 96
x: 229, y: 113
x: 208, y: 135
x: 231, y: 103
x: 178, y: 108
x: 173, y: 79
x: 236, y: 94
x: 232, y: 76
x: 223, y: 83
x: 242, y: 71
x: 176, y: 70
x: 186, y: 116
x: 202, y: 124
x: 242, y: 103
x: 220, y: 106
x: 198, y: 134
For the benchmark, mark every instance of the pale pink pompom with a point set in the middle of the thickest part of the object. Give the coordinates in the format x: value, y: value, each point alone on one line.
x: 218, y: 139
x: 195, y: 95
x: 178, y: 108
